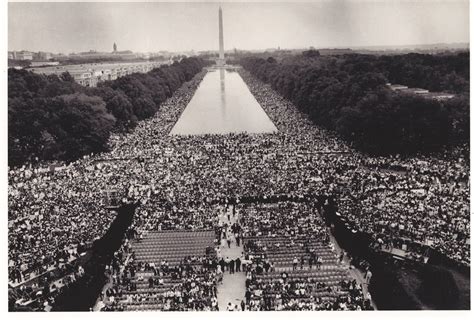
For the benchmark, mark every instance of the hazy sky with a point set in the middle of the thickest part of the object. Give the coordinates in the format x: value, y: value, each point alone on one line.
x: 142, y: 27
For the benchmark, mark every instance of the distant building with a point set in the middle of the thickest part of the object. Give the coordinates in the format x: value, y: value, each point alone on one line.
x: 126, y: 54
x: 419, y: 91
x: 43, y: 56
x: 83, y: 78
x: 396, y: 87
x: 90, y: 74
x: 43, y: 63
x: 144, y: 55
x: 21, y: 55
x: 439, y: 96
x: 92, y: 54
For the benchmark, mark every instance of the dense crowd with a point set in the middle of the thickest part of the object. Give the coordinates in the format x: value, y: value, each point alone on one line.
x: 41, y: 292
x: 285, y: 219
x: 283, y: 293
x: 275, y: 232
x: 177, y: 179
x: 425, y: 201
x: 51, y: 216
x: 189, y: 286
x: 54, y: 210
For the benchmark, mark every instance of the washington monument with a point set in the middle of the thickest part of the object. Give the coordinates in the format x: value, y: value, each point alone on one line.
x: 221, y: 60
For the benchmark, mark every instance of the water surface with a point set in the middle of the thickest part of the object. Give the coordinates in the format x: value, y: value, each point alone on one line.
x: 223, y: 104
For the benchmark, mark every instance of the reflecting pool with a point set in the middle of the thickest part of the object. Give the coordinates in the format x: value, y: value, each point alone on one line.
x: 223, y: 104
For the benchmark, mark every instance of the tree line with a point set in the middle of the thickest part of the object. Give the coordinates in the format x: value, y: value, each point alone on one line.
x: 348, y: 95
x: 51, y: 117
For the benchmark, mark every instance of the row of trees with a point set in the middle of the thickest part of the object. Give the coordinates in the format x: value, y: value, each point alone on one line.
x: 54, y: 118
x: 435, y: 72
x: 442, y: 72
x: 348, y: 95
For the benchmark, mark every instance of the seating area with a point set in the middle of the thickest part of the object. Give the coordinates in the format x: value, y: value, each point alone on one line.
x: 173, y: 246
x: 174, y: 272
x: 282, y: 252
x: 316, y: 283
x: 305, y: 271
x: 289, y: 260
x: 319, y: 278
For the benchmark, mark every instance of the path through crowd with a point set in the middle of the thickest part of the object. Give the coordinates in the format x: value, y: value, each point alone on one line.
x: 232, y: 288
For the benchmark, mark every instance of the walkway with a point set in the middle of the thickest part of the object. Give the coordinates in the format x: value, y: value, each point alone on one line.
x: 232, y: 288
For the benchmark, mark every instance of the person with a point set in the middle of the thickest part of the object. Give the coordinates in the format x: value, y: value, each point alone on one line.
x: 231, y: 266
x: 222, y: 264
x: 237, y: 264
x: 237, y: 239
x: 243, y: 262
x: 242, y: 305
x: 319, y: 262
x: 219, y: 274
x: 230, y: 306
x: 266, y: 266
x: 214, y: 304
x: 368, y: 276
x: 227, y: 262
x: 259, y: 269
x: 295, y: 263
x: 228, y: 241
x: 224, y: 232
x: 341, y: 256
x: 248, y: 295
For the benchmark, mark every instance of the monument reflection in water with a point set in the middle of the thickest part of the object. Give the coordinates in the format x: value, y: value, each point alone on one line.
x: 223, y: 104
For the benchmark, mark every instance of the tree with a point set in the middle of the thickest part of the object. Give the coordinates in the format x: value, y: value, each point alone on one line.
x: 271, y: 60
x: 348, y: 94
x: 121, y: 108
x: 83, y: 124
x: 311, y: 53
x: 53, y: 117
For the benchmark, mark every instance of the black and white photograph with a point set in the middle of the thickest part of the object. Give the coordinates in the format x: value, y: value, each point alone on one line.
x: 236, y: 156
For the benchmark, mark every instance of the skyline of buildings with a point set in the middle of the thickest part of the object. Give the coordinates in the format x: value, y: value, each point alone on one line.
x: 25, y: 53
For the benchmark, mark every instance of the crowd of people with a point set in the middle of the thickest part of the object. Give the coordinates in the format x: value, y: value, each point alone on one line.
x: 277, y: 235
x: 190, y: 285
x: 288, y: 219
x: 423, y: 198
x: 177, y: 180
x: 193, y: 288
x: 61, y: 208
x: 41, y: 292
x: 425, y: 201
x: 283, y: 293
